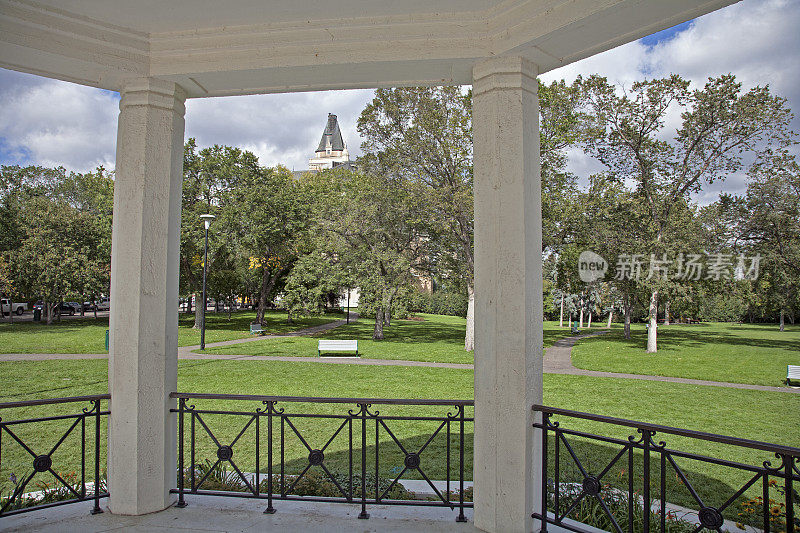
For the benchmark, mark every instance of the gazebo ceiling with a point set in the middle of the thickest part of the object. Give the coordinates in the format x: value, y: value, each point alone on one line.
x: 214, y: 48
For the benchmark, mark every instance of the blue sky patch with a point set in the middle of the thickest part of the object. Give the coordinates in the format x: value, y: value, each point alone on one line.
x: 665, y: 35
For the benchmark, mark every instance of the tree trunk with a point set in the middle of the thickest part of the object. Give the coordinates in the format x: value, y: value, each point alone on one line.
x: 469, y: 338
x: 626, y: 304
x: 610, y: 317
x: 561, y: 314
x: 387, y: 313
x: 198, y: 311
x: 189, y: 301
x: 652, y: 330
x: 791, y: 317
x: 581, y: 324
x: 666, y: 313
x: 94, y: 306
x: 782, y: 319
x: 230, y: 307
x: 289, y: 316
x: 83, y: 311
x: 589, y: 325
x: 378, y: 333
x: 267, y: 284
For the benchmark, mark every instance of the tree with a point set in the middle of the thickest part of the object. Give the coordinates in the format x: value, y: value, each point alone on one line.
x: 719, y: 124
x: 270, y: 216
x: 372, y: 226
x: 424, y: 135
x: 771, y: 224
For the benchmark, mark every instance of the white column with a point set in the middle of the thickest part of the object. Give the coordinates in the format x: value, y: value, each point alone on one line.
x: 508, y: 292
x: 143, y: 362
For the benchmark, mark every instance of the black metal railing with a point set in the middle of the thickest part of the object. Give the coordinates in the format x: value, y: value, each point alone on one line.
x: 637, y: 498
x: 14, y: 448
x: 278, y: 418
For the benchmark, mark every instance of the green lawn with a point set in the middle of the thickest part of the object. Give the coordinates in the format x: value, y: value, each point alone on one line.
x: 435, y: 338
x: 746, y: 353
x: 87, y: 335
x: 744, y: 413
x: 748, y: 414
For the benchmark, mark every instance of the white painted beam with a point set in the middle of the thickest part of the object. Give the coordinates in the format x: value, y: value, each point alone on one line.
x: 307, y: 49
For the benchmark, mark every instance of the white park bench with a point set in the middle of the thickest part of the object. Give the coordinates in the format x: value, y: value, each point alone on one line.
x: 337, y: 346
x: 792, y: 373
x: 257, y: 329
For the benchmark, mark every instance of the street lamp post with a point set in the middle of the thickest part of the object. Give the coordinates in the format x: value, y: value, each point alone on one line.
x: 207, y: 221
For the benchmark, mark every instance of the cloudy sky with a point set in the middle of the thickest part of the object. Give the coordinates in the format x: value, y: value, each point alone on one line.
x: 51, y: 123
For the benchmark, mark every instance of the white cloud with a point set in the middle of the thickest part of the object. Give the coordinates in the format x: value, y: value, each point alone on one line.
x: 57, y: 123
x: 278, y: 128
x: 53, y: 123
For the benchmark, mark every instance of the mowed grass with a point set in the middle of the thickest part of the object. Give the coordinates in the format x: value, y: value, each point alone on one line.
x: 430, y: 338
x: 87, y: 335
x: 748, y: 414
x: 739, y: 353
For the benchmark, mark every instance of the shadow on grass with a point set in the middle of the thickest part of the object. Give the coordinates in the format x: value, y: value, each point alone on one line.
x: 240, y: 320
x: 403, y: 331
x: 68, y: 325
x: 441, y: 329
x: 698, y: 335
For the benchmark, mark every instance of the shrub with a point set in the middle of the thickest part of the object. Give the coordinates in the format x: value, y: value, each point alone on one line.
x: 440, y: 303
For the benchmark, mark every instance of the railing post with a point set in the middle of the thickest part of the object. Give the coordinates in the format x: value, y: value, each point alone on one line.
x: 181, y: 467
x: 765, y: 499
x: 270, y: 509
x: 83, y: 452
x: 460, y: 517
x: 96, y: 509
x: 788, y: 463
x: 364, y: 514
x: 545, y: 421
x: 646, y: 480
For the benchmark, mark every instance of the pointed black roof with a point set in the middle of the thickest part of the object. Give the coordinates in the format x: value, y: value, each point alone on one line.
x: 332, y: 134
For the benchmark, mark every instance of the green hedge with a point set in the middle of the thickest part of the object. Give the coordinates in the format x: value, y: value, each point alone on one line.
x: 440, y: 303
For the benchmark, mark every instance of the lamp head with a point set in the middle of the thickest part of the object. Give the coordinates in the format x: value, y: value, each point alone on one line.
x: 207, y: 219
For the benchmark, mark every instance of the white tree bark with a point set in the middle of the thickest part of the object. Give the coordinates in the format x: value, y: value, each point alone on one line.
x: 469, y: 338
x: 610, y: 317
x: 666, y: 313
x: 782, y: 319
x: 581, y: 315
x: 589, y: 325
x: 561, y: 316
x: 652, y: 330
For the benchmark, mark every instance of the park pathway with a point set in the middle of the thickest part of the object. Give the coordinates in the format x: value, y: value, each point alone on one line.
x: 557, y: 359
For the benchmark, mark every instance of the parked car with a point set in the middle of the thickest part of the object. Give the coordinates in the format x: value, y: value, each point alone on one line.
x: 13, y: 307
x: 103, y: 304
x: 66, y: 309
x: 76, y: 307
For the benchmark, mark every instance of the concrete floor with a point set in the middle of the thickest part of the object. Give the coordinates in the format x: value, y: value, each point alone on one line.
x: 206, y: 514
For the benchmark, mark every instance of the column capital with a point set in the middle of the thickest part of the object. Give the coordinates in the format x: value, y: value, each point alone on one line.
x: 504, y: 72
x: 153, y: 92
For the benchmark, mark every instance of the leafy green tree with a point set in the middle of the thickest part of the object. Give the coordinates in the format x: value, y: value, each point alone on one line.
x: 771, y: 225
x: 719, y: 123
x: 270, y: 215
x: 424, y: 136
x: 372, y: 225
